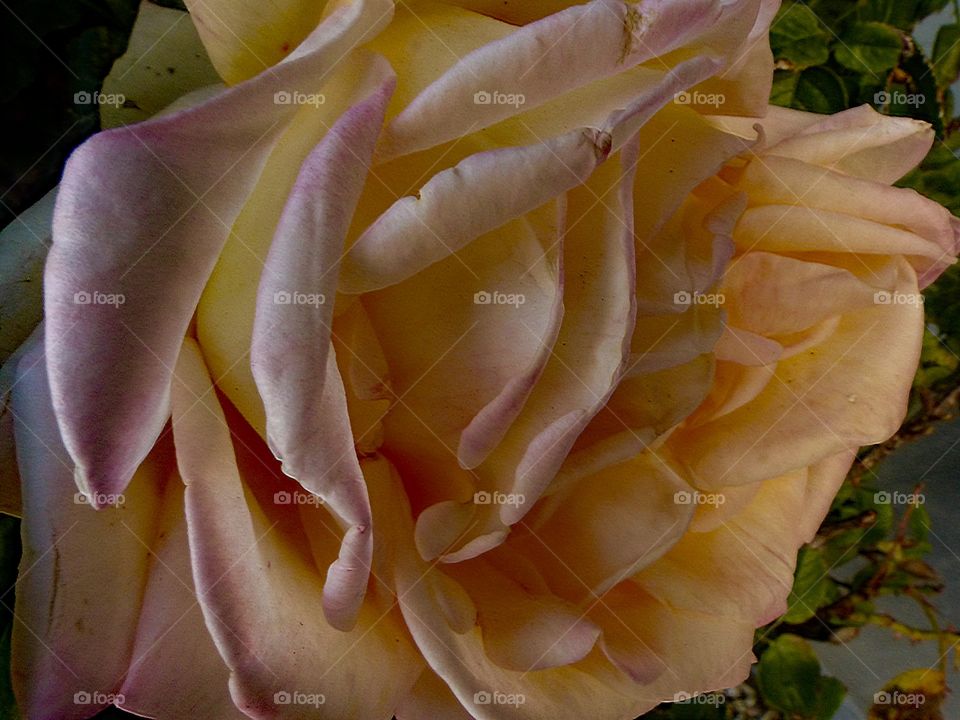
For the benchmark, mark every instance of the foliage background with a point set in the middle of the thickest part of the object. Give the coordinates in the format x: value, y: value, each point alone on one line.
x: 831, y: 55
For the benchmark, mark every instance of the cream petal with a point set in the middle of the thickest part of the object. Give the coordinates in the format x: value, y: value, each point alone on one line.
x: 291, y: 339
x: 619, y: 34
x: 155, y: 188
x: 848, y: 391
x: 255, y: 585
x: 455, y: 206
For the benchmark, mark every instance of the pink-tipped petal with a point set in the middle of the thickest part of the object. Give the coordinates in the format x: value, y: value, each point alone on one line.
x: 545, y: 59
x: 260, y: 593
x: 480, y: 194
x: 306, y: 409
x: 142, y: 214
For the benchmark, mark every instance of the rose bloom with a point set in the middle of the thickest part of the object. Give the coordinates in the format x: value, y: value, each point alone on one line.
x: 476, y: 359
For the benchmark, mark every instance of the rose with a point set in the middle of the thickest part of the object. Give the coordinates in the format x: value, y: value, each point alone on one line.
x: 424, y: 400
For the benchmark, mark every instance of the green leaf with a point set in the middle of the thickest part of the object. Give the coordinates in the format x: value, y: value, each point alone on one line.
x: 789, y: 678
x: 784, y: 87
x: 798, y: 37
x: 915, y: 93
x: 946, y: 55
x: 811, y: 586
x: 869, y: 47
x: 904, y: 14
x: 820, y: 90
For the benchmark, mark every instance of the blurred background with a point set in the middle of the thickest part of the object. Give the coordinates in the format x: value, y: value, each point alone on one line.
x: 872, y: 629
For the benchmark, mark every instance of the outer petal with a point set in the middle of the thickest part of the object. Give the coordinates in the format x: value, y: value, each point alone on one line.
x: 255, y: 582
x: 306, y: 409
x: 859, y: 142
x: 164, y: 61
x: 245, y: 38
x: 169, y: 189
x: 81, y: 617
x: 762, y: 541
x: 799, y: 207
x: 849, y: 390
x: 171, y: 634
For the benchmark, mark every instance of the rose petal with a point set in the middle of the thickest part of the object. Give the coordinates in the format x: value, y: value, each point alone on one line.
x: 465, y: 202
x: 255, y: 585
x: 523, y: 630
x: 103, y: 627
x: 778, y: 182
x: 620, y: 35
x: 157, y: 187
x: 848, y: 391
x: 457, y: 654
x: 247, y: 38
x: 162, y: 37
x: 431, y: 698
x: 306, y: 409
x: 171, y: 633
x: 606, y: 527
